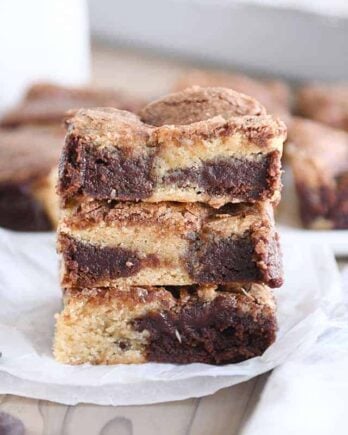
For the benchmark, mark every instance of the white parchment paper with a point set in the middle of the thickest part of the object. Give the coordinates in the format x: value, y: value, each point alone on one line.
x: 30, y: 295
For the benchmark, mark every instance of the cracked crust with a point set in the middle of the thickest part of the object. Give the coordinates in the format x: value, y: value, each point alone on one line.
x: 273, y: 94
x: 199, y: 104
x: 210, y: 324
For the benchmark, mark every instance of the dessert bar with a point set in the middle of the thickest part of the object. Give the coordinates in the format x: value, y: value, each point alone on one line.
x: 47, y: 103
x: 201, y: 145
x: 208, y: 324
x: 325, y: 103
x: 106, y: 243
x: 28, y: 174
x: 318, y: 155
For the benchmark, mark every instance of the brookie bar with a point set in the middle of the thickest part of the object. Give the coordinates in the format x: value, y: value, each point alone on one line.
x: 210, y: 324
x: 209, y: 145
x: 47, y: 103
x: 325, y: 103
x: 318, y: 155
x: 106, y: 243
x: 28, y: 174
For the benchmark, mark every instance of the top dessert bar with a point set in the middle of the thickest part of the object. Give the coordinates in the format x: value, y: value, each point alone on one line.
x: 28, y: 161
x: 273, y: 94
x: 325, y: 103
x: 318, y: 155
x: 47, y: 103
x: 210, y: 145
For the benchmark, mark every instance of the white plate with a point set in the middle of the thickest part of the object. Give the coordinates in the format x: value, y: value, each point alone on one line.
x: 30, y: 296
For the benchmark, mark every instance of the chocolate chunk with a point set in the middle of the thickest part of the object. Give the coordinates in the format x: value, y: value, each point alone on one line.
x: 19, y: 209
x: 211, y: 332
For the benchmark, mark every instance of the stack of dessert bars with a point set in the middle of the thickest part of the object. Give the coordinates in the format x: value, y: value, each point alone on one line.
x: 166, y: 235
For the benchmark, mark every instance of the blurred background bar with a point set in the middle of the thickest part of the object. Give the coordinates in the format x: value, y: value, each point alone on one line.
x: 299, y: 41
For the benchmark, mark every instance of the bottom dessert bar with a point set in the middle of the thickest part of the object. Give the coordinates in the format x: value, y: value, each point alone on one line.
x: 206, y: 324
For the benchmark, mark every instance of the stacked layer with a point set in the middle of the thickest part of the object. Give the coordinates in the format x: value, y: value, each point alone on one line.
x: 166, y: 233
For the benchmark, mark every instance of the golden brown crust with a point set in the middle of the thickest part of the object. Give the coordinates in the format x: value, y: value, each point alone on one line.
x: 225, y: 113
x: 199, y: 104
x: 178, y: 216
x: 108, y: 127
x: 273, y: 94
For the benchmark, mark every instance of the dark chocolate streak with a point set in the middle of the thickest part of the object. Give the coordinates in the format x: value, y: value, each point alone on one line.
x: 241, y: 178
x: 103, y: 174
x: 20, y: 211
x: 223, y: 260
x: 207, y: 332
x: 86, y: 263
x: 116, y: 175
x: 325, y: 202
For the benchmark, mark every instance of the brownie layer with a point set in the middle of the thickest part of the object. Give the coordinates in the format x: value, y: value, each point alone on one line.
x: 222, y: 155
x: 208, y: 324
x: 168, y: 244
x: 318, y: 156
